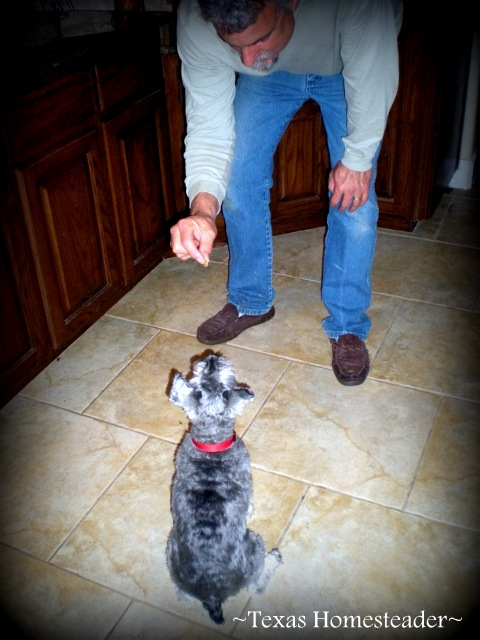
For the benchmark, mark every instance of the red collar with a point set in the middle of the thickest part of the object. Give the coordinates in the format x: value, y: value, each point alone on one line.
x: 214, y: 447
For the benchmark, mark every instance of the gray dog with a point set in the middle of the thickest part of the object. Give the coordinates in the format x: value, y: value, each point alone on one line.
x: 211, y: 554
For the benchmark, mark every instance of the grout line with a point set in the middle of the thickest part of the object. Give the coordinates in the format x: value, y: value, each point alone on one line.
x: 289, y: 359
x: 422, y: 456
x: 419, y: 301
x: 294, y: 513
x: 109, y: 588
x: 433, y: 240
x: 99, y: 497
x: 386, y: 334
x: 267, y: 397
x: 279, y: 274
x: 357, y: 498
x: 432, y: 392
x: 442, y: 220
x: 122, y: 615
x: 122, y: 370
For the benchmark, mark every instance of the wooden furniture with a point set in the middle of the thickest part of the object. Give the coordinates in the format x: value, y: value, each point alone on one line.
x: 86, y: 191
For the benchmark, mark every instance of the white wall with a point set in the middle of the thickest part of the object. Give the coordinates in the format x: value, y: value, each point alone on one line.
x: 463, y: 177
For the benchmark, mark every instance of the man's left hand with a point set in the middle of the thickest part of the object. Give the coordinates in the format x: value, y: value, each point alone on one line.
x: 348, y: 187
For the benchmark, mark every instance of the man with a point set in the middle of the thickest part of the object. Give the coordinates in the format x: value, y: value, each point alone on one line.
x: 341, y: 53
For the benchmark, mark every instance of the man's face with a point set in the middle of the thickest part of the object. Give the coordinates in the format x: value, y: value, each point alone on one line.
x: 261, y: 42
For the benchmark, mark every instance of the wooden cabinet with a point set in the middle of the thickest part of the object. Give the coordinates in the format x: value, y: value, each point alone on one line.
x: 68, y: 212
x: 299, y: 196
x: 23, y: 320
x: 142, y: 183
x: 86, y: 196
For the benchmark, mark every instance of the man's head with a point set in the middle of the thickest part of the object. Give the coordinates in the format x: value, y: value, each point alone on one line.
x: 257, y: 29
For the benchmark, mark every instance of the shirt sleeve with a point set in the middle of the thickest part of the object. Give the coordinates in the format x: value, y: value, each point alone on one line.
x: 209, y: 93
x: 369, y: 53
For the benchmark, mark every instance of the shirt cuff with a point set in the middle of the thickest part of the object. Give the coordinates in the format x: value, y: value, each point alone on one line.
x: 207, y: 186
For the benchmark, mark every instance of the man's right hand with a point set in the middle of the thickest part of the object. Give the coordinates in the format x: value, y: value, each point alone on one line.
x: 193, y: 237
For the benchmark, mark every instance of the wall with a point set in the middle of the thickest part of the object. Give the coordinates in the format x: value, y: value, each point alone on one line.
x: 463, y: 178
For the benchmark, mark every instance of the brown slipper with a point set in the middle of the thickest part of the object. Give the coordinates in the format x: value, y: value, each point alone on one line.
x: 227, y: 325
x: 350, y: 360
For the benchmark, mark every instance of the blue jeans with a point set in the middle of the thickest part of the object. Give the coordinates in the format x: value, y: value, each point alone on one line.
x: 263, y: 108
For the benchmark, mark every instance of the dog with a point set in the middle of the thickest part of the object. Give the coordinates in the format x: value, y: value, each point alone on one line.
x: 211, y: 554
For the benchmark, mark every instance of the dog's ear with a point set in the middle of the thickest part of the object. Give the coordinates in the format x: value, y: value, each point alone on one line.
x: 180, y: 391
x: 237, y: 397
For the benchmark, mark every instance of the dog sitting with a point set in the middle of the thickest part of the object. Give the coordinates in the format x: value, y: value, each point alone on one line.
x: 211, y: 554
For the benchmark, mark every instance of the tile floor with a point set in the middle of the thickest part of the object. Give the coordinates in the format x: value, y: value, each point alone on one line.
x: 371, y: 493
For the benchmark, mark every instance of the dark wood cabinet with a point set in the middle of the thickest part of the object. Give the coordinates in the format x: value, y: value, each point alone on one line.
x: 86, y: 193
x: 299, y: 196
x: 67, y: 207
x: 142, y: 182
x: 23, y: 320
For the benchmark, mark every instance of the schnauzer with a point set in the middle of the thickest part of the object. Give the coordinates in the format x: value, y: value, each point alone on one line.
x: 211, y: 554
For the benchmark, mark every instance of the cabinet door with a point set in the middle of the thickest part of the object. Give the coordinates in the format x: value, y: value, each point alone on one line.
x: 23, y: 335
x: 73, y: 235
x: 142, y: 184
x: 299, y: 194
x: 406, y: 165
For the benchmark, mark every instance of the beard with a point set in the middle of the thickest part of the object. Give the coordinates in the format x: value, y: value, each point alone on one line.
x: 265, y: 61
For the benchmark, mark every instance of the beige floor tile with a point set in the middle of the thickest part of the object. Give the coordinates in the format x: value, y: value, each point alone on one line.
x: 462, y: 225
x: 429, y: 228
x: 352, y: 558
x: 299, y: 254
x: 448, y: 483
x: 53, y: 467
x: 428, y: 271
x: 138, y: 397
x: 121, y: 543
x: 296, y: 331
x: 47, y: 603
x: 382, y: 313
x: 81, y: 372
x: 433, y: 348
x: 176, y: 295
x: 275, y: 499
x: 148, y: 623
x: 366, y: 441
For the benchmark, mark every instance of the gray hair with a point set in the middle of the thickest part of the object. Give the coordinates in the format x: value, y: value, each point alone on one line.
x: 233, y: 16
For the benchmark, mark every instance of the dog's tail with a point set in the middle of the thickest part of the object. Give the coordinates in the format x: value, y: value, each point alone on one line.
x: 214, y: 607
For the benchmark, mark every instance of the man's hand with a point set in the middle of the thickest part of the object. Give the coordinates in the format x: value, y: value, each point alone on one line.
x: 348, y: 187
x: 193, y: 237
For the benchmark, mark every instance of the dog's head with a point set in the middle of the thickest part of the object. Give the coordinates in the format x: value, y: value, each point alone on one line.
x: 212, y: 392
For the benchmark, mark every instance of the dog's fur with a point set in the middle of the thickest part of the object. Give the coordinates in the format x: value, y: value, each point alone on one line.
x: 211, y: 554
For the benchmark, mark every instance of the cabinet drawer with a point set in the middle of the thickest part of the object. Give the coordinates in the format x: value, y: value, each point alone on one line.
x: 128, y: 78
x: 45, y: 118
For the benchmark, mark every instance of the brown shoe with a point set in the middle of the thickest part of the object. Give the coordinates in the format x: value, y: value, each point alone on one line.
x: 350, y: 360
x: 227, y: 325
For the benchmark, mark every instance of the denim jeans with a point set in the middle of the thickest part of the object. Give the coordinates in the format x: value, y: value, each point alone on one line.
x: 263, y: 108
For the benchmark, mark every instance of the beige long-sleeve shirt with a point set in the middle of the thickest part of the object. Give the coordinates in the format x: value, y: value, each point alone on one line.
x: 357, y: 38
